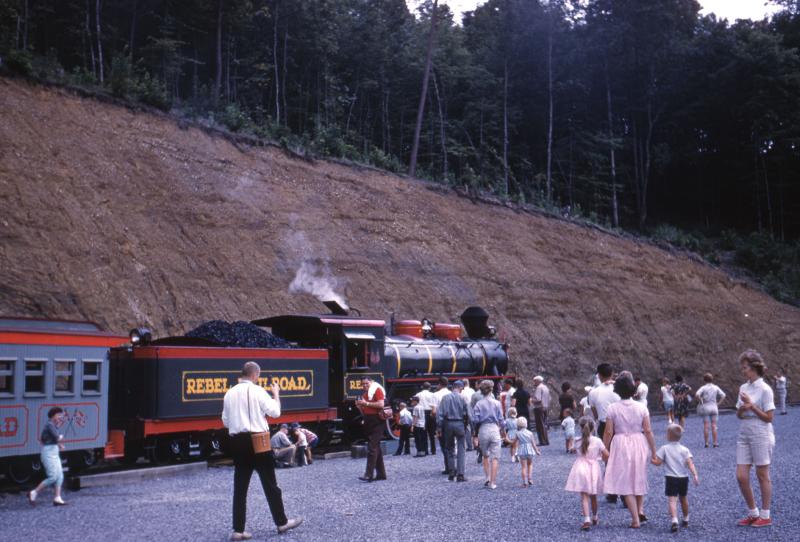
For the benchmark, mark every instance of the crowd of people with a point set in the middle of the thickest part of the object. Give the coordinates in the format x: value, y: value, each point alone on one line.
x: 613, y: 428
x: 608, y: 430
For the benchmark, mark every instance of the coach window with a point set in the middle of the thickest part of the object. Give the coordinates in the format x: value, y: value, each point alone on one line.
x: 34, y: 377
x: 7, y: 377
x: 91, y: 377
x: 64, y: 377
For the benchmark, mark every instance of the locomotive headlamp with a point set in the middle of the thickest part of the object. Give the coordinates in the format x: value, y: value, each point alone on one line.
x: 492, y: 331
x: 427, y: 327
x: 140, y: 336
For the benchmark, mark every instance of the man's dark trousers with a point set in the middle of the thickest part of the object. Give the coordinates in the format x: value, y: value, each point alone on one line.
x: 421, y: 440
x: 404, y: 446
x: 244, y: 463
x: 540, y: 415
x: 373, y: 428
x: 453, y: 446
x: 430, y: 428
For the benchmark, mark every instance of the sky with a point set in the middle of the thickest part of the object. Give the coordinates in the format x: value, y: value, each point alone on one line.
x: 724, y: 9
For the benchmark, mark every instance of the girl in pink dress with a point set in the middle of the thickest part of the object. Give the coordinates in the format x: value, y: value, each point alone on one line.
x: 585, y: 477
x: 629, y: 437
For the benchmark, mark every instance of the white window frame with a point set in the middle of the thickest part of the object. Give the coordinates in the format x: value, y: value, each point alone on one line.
x: 9, y: 373
x: 98, y: 378
x: 25, y: 392
x: 56, y: 373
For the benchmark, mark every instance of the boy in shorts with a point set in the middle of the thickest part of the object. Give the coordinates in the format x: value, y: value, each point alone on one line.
x: 677, y: 460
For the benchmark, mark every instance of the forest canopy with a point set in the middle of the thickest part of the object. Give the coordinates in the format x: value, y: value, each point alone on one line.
x: 632, y: 113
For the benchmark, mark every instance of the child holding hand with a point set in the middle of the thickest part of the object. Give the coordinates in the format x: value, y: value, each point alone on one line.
x: 677, y: 461
x: 586, y: 476
x: 526, y: 449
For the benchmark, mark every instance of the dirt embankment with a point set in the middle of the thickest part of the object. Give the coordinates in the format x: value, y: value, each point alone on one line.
x: 127, y: 218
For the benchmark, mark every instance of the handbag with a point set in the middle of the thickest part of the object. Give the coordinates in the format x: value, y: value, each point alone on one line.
x: 386, y: 413
x: 261, y: 441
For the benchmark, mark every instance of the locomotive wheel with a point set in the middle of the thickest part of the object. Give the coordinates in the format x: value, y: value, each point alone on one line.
x: 22, y: 470
x: 393, y: 427
x: 80, y: 460
x: 160, y: 453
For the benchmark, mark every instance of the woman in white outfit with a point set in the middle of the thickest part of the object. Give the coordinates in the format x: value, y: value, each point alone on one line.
x: 756, y: 408
x: 667, y: 399
x: 709, y: 397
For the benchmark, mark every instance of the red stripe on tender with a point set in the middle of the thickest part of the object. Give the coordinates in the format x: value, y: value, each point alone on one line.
x: 159, y: 427
x: 182, y: 352
x: 61, y: 339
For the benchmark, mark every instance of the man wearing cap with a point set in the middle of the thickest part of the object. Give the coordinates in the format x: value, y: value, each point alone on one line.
x: 245, y: 409
x: 451, y: 418
x: 541, y: 403
x: 282, y: 447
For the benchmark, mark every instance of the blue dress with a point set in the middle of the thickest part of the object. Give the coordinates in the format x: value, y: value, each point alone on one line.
x: 525, y: 444
x: 511, y: 428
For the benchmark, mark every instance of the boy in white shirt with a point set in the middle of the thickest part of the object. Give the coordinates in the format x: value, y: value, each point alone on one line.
x: 677, y: 461
x: 406, y: 420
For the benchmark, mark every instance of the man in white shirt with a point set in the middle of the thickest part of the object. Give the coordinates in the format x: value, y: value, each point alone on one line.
x: 541, y: 404
x: 427, y: 401
x: 245, y: 408
x: 599, y: 399
x: 437, y: 396
x: 602, y: 396
x: 641, y: 391
x: 467, y: 394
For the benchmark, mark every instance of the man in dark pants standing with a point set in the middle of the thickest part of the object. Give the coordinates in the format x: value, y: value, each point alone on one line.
x: 370, y: 404
x: 245, y: 410
x: 451, y: 415
x: 427, y: 401
x: 541, y: 404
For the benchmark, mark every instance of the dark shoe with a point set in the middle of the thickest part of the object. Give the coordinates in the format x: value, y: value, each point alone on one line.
x: 365, y: 478
x: 398, y: 453
x: 684, y: 523
x: 460, y: 478
x: 706, y: 445
x: 450, y: 478
x: 379, y: 478
x: 674, y: 528
x: 407, y: 453
x: 446, y: 472
x: 642, y: 518
x: 420, y: 455
x: 611, y: 498
x: 586, y: 526
x: 291, y: 524
x: 59, y: 503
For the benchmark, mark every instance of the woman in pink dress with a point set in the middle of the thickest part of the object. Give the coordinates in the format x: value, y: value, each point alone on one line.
x: 629, y: 438
x: 586, y: 477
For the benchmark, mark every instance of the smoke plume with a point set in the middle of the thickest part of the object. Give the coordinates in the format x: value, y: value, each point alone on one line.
x: 318, y: 281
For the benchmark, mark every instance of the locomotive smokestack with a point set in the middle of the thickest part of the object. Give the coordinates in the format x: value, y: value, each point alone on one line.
x: 475, y: 322
x: 336, y: 308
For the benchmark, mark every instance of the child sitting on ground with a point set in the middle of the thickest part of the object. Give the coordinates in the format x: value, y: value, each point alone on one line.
x: 585, y: 477
x: 526, y: 448
x: 677, y: 460
x: 511, y: 432
x: 568, y: 425
x: 301, y: 441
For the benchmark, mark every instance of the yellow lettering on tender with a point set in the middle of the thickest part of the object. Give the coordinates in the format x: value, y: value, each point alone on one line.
x: 190, y: 385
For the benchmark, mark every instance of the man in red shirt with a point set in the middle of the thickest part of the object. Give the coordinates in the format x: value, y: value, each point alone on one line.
x: 370, y: 404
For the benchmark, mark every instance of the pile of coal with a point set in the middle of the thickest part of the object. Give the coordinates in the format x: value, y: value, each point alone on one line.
x: 241, y: 334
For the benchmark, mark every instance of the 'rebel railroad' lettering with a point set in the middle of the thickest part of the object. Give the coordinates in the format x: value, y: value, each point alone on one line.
x: 212, y: 385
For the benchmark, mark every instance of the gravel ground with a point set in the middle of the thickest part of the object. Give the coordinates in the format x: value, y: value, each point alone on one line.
x: 416, y: 501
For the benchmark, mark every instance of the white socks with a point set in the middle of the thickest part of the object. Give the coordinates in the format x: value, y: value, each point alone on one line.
x: 764, y: 514
x: 674, y: 520
x: 754, y: 513
x: 587, y: 519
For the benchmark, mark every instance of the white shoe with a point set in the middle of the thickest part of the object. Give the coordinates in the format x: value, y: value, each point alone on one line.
x: 244, y: 535
x: 291, y: 524
x: 493, y: 486
x: 32, y: 496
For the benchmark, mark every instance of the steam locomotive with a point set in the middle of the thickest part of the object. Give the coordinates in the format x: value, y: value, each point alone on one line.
x: 132, y: 397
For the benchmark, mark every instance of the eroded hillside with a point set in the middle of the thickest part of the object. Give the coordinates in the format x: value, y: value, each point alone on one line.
x: 127, y: 218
